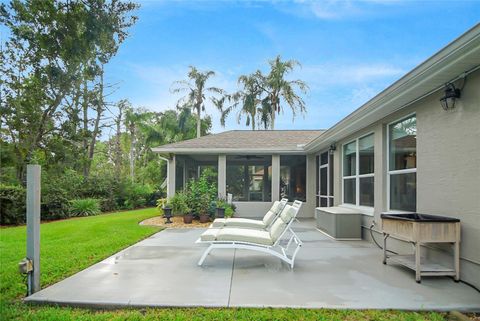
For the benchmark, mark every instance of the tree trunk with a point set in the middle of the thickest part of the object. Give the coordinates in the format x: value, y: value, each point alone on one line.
x: 272, y: 122
x: 273, y: 111
x: 199, y: 123
x: 96, y: 128
x: 118, y: 147
x: 132, y: 152
x: 85, y: 130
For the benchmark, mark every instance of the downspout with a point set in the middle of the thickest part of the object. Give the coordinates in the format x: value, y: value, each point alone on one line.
x: 165, y: 182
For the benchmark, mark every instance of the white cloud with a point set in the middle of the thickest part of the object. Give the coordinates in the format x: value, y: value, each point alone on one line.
x: 362, y: 94
x: 335, y: 9
x: 335, y: 74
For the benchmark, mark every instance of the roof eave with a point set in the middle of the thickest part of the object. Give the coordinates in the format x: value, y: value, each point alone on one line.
x: 227, y: 151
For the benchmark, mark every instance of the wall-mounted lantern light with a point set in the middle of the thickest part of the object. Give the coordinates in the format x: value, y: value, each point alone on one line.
x: 451, y: 94
x: 332, y: 148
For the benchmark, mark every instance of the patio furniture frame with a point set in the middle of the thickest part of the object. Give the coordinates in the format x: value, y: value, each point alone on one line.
x: 276, y: 249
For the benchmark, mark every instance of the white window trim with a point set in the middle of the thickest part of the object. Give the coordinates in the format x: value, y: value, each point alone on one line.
x: 367, y: 210
x: 398, y: 171
x: 327, y: 166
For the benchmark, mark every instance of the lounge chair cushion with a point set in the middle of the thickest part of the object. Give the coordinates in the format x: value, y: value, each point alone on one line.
x: 210, y: 234
x: 288, y: 213
x: 276, y: 207
x: 277, y: 229
x: 218, y: 223
x: 279, y: 226
x: 244, y: 235
x: 248, y: 223
x: 268, y: 218
x: 239, y: 222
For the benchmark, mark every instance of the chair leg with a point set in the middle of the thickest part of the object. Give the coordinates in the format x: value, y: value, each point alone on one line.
x: 204, y: 256
x: 295, y: 254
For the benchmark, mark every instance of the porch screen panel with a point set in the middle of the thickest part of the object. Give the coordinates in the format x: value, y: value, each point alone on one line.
x: 249, y: 178
x: 293, y: 178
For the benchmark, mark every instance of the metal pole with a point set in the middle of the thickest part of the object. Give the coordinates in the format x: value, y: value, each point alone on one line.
x: 33, y: 226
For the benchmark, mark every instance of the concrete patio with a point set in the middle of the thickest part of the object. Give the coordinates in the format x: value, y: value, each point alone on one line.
x: 162, y: 271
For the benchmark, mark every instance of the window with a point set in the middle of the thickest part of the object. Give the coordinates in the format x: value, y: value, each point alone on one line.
x: 293, y: 177
x: 325, y: 179
x: 358, y: 171
x: 249, y: 178
x: 402, y: 164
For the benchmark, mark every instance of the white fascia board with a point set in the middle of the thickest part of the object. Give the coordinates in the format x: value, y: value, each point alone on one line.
x: 227, y: 151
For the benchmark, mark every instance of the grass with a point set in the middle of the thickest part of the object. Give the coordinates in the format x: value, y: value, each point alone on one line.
x: 71, y: 245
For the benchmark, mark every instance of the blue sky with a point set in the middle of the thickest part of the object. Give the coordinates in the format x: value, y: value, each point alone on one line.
x: 349, y: 50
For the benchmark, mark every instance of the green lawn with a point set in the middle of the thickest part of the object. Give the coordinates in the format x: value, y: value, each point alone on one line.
x: 71, y: 245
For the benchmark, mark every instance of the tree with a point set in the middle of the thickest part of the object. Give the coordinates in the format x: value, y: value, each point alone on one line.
x: 262, y: 97
x: 54, y: 47
x: 196, y: 92
x: 248, y: 99
x: 280, y: 92
x: 133, y: 119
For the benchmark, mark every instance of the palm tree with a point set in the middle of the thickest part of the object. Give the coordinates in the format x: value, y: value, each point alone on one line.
x: 196, y: 90
x: 280, y: 91
x: 248, y: 98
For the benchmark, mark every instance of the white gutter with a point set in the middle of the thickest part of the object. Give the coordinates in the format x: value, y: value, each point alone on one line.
x: 231, y: 151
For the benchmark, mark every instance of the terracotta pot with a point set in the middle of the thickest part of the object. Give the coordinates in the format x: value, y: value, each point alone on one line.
x: 187, y: 218
x: 220, y: 212
x: 204, y: 218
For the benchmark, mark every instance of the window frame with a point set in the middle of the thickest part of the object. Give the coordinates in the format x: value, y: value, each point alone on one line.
x: 397, y: 171
x: 369, y: 210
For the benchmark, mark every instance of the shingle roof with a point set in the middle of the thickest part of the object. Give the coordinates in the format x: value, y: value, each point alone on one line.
x: 244, y: 140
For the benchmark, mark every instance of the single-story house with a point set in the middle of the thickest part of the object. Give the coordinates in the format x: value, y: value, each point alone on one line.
x: 414, y: 147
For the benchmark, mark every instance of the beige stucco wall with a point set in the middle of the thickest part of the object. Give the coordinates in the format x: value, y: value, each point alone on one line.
x: 448, y: 167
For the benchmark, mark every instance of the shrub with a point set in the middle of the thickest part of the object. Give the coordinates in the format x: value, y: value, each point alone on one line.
x: 161, y: 203
x: 55, y: 201
x: 137, y: 195
x: 85, y: 207
x: 57, y: 191
x: 12, y: 204
x: 179, y: 204
x: 229, y: 211
x: 106, y: 187
x: 201, y: 192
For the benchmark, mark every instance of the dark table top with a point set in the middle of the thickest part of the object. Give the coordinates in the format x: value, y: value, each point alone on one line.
x: 417, y: 217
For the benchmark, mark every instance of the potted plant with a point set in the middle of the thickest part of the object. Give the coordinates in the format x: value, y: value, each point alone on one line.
x: 166, y: 208
x: 203, y: 207
x: 221, y: 204
x: 229, y: 210
x: 188, y: 217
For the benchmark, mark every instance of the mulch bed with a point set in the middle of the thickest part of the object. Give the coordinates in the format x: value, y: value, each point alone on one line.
x: 177, y: 222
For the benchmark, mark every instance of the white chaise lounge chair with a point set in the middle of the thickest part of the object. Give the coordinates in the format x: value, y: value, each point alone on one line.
x: 267, y: 220
x: 257, y: 240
